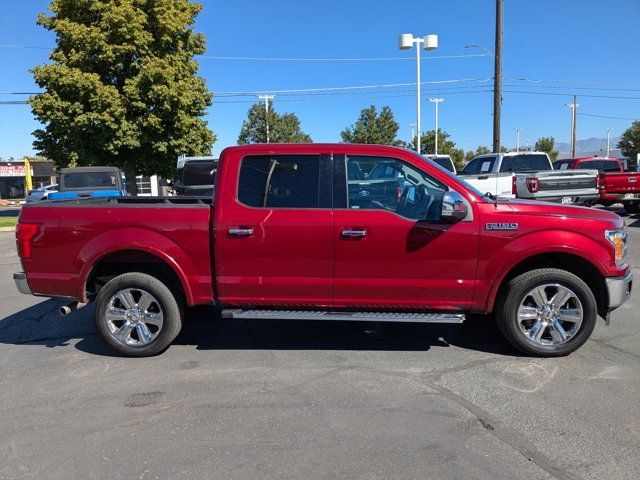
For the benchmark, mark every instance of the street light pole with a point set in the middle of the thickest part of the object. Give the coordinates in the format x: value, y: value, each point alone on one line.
x: 608, y: 140
x: 266, y: 99
x: 573, y: 106
x: 518, y: 130
x: 413, y: 129
x: 406, y: 41
x: 436, y: 101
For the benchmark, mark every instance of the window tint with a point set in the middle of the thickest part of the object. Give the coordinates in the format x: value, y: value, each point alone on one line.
x: 280, y: 181
x: 90, y: 180
x: 610, y: 166
x: 591, y: 165
x: 562, y: 165
x: 393, y: 185
x: 471, y: 168
x: 198, y: 173
x: 523, y: 163
x: 444, y: 162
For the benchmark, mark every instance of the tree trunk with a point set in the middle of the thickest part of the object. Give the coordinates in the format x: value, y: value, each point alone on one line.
x: 130, y: 176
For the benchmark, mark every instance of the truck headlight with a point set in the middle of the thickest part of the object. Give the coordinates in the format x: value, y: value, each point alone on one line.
x: 618, y: 238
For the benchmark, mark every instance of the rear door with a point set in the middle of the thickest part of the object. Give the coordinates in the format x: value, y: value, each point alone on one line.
x: 275, y: 232
x: 393, y: 251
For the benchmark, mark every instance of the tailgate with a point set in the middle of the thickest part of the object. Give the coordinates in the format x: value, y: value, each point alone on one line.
x: 622, y: 182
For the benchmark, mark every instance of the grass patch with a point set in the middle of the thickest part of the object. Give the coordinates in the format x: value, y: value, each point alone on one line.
x: 8, y: 221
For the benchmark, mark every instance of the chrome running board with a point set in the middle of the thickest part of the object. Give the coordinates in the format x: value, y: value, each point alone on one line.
x: 344, y: 316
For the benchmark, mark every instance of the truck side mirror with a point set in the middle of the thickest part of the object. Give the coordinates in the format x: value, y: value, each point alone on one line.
x: 454, y: 208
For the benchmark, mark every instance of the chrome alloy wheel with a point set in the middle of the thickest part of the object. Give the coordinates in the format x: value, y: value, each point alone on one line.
x: 550, y: 314
x: 134, y: 317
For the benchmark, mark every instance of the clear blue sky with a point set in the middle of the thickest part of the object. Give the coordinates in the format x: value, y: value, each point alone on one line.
x: 586, y: 40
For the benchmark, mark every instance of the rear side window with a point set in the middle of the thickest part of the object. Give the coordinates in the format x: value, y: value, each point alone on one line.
x: 479, y: 166
x: 610, y: 166
x: 593, y: 165
x: 280, y: 181
x: 562, y: 165
x: 98, y: 180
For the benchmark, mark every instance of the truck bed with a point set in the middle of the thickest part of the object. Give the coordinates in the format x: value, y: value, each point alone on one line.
x: 75, y: 234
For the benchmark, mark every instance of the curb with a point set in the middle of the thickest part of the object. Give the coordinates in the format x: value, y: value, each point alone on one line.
x: 7, y: 229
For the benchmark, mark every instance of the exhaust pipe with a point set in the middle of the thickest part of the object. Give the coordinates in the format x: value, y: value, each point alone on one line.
x: 71, y: 307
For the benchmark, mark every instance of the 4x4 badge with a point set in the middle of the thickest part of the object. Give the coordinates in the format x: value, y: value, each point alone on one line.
x: 501, y: 226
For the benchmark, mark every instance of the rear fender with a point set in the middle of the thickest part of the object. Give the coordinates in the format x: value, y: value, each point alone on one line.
x: 134, y: 239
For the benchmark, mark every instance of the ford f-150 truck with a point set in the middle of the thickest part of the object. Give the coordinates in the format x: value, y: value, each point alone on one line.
x: 286, y: 237
x: 616, y: 185
x: 530, y: 175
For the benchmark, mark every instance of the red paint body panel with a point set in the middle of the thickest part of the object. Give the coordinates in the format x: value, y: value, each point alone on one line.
x: 612, y: 184
x: 297, y: 257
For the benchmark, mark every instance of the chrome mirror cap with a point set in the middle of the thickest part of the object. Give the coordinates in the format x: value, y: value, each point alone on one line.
x: 454, y: 208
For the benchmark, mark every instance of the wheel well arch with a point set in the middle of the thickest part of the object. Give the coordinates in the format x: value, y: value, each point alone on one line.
x: 118, y: 262
x: 572, y: 263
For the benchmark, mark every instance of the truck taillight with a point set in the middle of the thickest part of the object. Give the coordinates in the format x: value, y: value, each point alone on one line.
x: 399, y: 193
x: 533, y: 184
x: 514, y: 187
x: 25, y: 233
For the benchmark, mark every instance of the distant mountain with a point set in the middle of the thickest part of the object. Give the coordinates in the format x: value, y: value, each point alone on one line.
x: 588, y: 147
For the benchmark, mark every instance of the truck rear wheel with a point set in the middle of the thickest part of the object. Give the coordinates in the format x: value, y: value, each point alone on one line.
x: 137, y: 314
x: 546, y: 312
x: 631, y: 207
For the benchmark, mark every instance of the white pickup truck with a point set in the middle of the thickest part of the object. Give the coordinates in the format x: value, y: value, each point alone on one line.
x: 530, y: 175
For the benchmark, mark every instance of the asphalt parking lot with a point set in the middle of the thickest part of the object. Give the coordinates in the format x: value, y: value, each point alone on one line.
x: 308, y: 400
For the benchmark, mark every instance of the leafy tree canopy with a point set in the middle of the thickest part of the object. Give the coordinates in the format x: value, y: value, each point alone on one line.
x: 546, y: 144
x: 371, y: 127
x: 283, y: 128
x: 122, y: 86
x: 481, y: 150
x: 629, y: 143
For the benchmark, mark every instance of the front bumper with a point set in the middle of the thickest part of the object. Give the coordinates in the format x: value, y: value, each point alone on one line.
x: 20, y: 279
x: 619, y: 289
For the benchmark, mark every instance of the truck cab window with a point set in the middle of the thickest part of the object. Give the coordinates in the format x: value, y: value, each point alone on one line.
x: 279, y: 181
x: 393, y: 185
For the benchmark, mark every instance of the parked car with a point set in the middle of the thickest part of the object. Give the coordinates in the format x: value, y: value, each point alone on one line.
x: 41, y: 193
x: 283, y: 238
x: 195, y: 176
x: 85, y: 182
x: 444, y: 161
x: 530, y: 175
x: 616, y: 185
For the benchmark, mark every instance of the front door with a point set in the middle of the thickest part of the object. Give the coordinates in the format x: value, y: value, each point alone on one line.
x: 391, y: 248
x: 276, y: 233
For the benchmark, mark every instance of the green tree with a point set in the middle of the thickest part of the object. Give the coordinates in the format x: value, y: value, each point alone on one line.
x: 546, y: 144
x: 373, y: 128
x: 480, y: 150
x: 122, y: 86
x: 629, y: 143
x: 283, y: 128
x: 445, y: 146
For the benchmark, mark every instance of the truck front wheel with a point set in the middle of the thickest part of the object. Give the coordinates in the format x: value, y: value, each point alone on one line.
x: 546, y: 312
x: 137, y: 314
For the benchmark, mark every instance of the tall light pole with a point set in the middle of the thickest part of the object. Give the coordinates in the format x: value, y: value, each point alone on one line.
x: 436, y: 101
x: 518, y: 130
x: 608, y: 140
x: 573, y: 106
x: 406, y: 41
x: 497, y: 78
x: 413, y: 131
x: 266, y: 99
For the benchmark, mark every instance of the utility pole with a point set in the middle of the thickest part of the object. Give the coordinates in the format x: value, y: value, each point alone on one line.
x: 436, y: 101
x: 608, y: 141
x: 518, y: 130
x: 573, y: 106
x: 266, y: 99
x: 497, y: 78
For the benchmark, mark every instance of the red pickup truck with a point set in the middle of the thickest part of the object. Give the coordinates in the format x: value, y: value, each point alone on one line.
x: 615, y: 184
x: 297, y: 232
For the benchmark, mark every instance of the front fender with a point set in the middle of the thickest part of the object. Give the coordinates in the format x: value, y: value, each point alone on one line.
x: 134, y: 239
x: 494, y: 269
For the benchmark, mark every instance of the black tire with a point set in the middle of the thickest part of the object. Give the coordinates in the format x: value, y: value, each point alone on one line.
x: 169, y: 303
x: 631, y: 207
x: 507, y: 305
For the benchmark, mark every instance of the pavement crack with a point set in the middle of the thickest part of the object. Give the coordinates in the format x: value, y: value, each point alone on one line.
x: 507, y: 434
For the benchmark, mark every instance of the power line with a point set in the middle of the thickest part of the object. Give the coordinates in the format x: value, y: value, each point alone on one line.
x: 321, y: 59
x: 568, y: 94
x: 606, y: 116
x: 585, y: 82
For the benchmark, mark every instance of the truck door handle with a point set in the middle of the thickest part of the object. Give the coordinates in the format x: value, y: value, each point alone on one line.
x: 353, y: 233
x: 241, y: 232
x: 483, y: 177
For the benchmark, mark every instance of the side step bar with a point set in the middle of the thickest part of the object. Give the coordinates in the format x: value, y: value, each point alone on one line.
x: 344, y: 316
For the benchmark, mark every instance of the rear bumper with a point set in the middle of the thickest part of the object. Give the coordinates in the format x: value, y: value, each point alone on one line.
x: 619, y: 289
x: 568, y: 199
x: 20, y: 279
